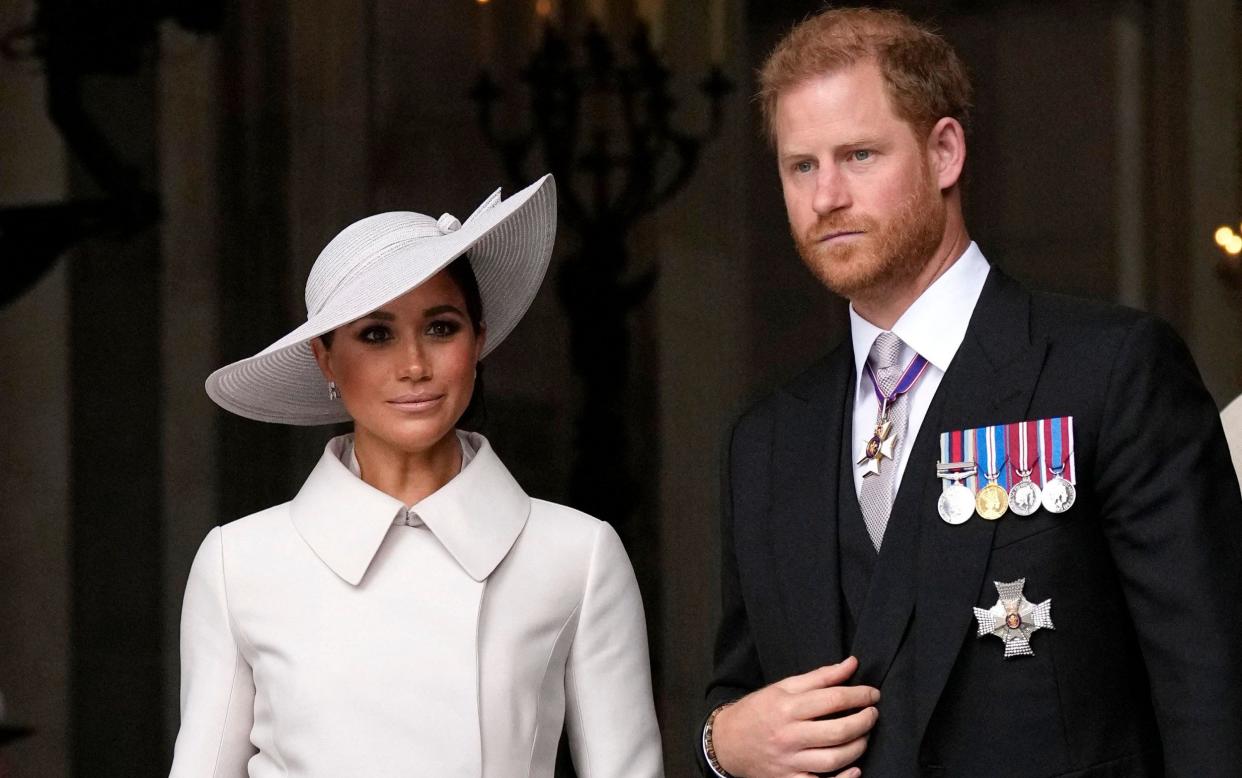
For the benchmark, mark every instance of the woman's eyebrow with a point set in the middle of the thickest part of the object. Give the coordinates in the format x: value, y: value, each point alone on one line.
x: 381, y: 315
x: 439, y: 309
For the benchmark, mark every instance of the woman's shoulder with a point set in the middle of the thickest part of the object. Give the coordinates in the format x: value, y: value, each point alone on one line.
x: 571, y: 530
x: 562, y: 518
x: 582, y: 553
x: 256, y: 530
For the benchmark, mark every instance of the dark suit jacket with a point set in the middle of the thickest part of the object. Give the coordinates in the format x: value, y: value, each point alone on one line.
x: 1143, y: 672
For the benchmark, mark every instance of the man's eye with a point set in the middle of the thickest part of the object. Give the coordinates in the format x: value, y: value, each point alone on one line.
x: 862, y: 155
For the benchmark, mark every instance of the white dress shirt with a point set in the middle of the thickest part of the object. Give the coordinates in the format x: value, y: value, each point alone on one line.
x: 933, y: 326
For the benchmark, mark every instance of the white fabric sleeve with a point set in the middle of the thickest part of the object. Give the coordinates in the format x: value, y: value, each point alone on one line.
x: 610, y: 714
x: 217, y: 687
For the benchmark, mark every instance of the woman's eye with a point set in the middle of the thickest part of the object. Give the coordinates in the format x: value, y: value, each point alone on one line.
x: 443, y: 328
x: 803, y: 167
x: 375, y: 335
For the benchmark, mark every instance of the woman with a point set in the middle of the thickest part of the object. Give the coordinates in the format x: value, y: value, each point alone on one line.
x: 411, y: 612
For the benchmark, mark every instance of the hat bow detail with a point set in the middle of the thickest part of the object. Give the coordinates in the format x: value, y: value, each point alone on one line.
x: 448, y: 223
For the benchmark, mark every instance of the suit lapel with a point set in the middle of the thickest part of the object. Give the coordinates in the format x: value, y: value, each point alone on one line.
x: 990, y: 381
x: 806, y: 465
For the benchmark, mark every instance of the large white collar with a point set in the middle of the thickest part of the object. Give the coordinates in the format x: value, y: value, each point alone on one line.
x: 477, y: 516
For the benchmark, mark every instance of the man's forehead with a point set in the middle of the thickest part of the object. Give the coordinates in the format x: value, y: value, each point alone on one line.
x: 833, y: 107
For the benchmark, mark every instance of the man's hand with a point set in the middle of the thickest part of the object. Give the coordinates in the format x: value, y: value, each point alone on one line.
x: 775, y: 732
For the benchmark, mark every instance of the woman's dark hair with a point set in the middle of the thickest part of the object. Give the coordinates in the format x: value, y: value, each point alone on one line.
x: 463, y: 275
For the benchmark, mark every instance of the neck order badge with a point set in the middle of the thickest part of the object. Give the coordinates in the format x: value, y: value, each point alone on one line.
x: 880, y: 445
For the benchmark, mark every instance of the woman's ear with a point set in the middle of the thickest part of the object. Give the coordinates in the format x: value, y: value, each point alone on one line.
x: 322, y: 358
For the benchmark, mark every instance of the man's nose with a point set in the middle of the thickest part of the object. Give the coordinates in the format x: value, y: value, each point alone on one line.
x: 831, y: 191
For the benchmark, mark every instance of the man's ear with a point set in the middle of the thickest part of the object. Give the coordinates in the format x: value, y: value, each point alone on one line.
x: 946, y: 152
x: 321, y: 357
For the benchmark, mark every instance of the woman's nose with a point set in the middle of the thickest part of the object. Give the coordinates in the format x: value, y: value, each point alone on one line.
x: 414, y: 362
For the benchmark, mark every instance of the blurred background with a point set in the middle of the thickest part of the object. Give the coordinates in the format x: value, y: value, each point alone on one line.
x: 169, y: 170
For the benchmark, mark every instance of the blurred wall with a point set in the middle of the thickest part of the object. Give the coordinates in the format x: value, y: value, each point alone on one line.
x: 1105, y: 149
x: 35, y: 507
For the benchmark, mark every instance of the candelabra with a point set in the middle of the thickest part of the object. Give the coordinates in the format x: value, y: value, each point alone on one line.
x: 75, y: 40
x: 601, y: 118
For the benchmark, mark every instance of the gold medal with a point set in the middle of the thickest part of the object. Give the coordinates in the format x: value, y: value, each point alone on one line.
x: 992, y: 501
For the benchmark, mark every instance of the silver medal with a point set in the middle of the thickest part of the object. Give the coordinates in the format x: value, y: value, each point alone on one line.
x: 956, y: 504
x: 1059, y: 495
x: 1024, y: 496
x: 957, y: 501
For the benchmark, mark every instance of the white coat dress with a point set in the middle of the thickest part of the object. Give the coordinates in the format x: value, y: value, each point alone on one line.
x: 318, y: 638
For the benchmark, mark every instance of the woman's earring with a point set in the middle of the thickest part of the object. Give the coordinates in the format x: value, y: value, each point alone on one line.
x: 333, y: 392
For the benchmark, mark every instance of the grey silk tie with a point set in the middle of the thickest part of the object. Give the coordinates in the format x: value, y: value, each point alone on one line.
x: 876, y: 495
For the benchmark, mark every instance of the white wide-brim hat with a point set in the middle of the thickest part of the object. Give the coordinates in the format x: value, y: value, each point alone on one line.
x: 378, y: 259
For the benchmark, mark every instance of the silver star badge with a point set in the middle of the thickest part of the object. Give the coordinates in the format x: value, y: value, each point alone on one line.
x: 1014, y: 618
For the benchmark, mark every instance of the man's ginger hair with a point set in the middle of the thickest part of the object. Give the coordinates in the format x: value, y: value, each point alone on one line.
x: 926, y: 80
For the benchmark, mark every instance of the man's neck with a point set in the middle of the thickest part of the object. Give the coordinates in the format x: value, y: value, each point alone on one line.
x: 884, y: 305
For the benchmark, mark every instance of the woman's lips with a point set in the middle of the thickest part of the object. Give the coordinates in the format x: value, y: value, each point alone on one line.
x: 414, y: 403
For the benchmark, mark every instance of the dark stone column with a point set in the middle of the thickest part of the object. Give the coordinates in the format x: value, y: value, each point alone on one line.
x: 1167, y: 210
x: 114, y: 308
x: 254, y: 240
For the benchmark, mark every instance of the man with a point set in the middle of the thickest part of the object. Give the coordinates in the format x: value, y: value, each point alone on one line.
x: 1077, y: 613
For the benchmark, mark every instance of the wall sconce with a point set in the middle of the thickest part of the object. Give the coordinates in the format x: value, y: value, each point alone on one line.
x: 1230, y: 265
x: 1229, y: 241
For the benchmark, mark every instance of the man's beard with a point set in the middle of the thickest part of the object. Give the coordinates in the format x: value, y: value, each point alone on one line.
x: 890, y: 254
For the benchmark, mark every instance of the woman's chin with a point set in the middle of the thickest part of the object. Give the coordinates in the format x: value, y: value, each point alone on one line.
x: 409, y: 433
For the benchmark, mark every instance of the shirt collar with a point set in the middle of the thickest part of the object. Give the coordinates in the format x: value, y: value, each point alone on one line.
x: 935, y: 324
x: 477, y: 516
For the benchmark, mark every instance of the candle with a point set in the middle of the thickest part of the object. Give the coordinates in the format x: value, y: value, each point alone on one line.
x: 487, y: 33
x: 717, y: 19
x: 651, y: 12
x: 541, y: 19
